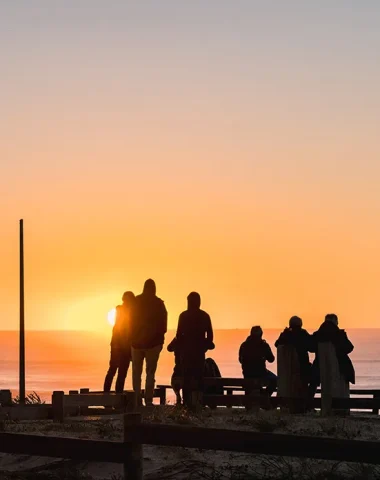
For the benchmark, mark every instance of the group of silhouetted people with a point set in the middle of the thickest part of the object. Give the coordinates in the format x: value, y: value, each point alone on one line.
x: 139, y: 333
x: 255, y: 352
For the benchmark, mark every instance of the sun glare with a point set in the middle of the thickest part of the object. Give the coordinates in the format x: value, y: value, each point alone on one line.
x: 111, y: 316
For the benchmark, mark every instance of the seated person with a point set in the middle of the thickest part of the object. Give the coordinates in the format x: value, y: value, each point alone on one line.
x: 253, y: 355
x: 210, y: 370
x: 176, y: 381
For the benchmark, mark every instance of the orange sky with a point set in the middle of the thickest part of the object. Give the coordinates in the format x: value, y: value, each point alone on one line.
x: 237, y: 156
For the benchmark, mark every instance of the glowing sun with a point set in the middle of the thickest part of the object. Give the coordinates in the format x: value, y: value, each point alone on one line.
x: 111, y: 316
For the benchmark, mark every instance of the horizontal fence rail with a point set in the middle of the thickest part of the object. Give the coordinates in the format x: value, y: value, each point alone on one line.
x: 192, y: 437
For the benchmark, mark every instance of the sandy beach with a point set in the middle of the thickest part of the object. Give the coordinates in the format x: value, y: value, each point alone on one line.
x: 180, y: 463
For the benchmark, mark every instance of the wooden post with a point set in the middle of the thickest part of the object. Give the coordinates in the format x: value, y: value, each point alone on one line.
x: 162, y: 396
x: 333, y: 383
x: 22, y: 318
x: 58, y: 404
x: 291, y: 388
x: 5, y: 398
x: 376, y: 410
x: 133, y: 462
x: 83, y: 410
x: 130, y: 402
x: 229, y: 392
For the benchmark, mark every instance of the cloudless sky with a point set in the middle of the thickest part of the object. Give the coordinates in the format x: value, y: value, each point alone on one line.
x: 229, y: 147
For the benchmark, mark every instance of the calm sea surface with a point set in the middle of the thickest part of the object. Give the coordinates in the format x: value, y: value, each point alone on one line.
x: 73, y: 360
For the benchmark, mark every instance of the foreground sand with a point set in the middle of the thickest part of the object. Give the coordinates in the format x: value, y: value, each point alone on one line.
x: 179, y: 463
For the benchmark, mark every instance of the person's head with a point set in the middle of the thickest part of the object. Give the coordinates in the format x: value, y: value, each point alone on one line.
x: 295, y: 322
x: 256, y: 331
x: 193, y: 301
x: 128, y: 298
x: 331, y: 318
x: 149, y: 287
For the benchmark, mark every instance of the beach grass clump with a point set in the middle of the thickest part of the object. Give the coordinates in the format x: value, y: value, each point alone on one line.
x: 31, y: 399
x: 268, y: 422
x: 169, y: 414
x: 342, y: 428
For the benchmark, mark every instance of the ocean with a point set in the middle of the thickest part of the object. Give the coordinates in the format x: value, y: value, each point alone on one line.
x: 68, y: 360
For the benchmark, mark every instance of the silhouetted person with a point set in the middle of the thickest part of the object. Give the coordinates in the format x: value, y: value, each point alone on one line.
x: 149, y: 325
x: 120, y: 344
x: 330, y: 332
x: 210, y: 370
x: 302, y: 341
x: 177, y: 376
x: 195, y: 336
x: 253, y: 355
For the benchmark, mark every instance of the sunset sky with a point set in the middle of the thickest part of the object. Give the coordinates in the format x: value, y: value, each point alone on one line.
x: 228, y: 147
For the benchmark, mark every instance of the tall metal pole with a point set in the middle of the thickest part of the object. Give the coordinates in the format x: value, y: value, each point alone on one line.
x: 22, y: 317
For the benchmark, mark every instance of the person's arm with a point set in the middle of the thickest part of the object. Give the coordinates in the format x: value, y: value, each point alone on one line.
x: 209, y: 330
x: 180, y: 327
x: 241, y: 353
x: 269, y: 354
x: 312, y: 343
x: 279, y: 340
x: 346, y: 346
x: 164, y: 319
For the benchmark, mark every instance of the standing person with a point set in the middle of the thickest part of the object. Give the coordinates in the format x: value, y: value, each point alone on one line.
x: 329, y: 331
x: 253, y: 355
x: 149, y: 325
x: 194, y: 336
x: 120, y: 344
x: 302, y: 341
x: 293, y: 366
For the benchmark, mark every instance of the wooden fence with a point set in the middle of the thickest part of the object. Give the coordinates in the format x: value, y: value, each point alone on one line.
x: 130, y: 453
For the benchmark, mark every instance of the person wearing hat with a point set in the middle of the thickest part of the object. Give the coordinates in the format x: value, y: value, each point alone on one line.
x: 120, y: 345
x: 253, y: 355
x: 302, y: 341
x: 194, y: 337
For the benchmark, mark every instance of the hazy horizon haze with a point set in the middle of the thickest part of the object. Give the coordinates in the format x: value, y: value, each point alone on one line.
x: 230, y: 148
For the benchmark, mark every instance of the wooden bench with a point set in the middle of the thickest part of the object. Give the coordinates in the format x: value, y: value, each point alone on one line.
x: 159, y: 392
x: 234, y: 387
x: 125, y: 402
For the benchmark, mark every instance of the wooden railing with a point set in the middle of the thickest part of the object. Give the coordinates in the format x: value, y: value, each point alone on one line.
x: 130, y: 453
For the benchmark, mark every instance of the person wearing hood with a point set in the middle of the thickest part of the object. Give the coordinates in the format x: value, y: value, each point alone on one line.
x: 149, y: 325
x: 194, y: 336
x: 329, y: 331
x: 302, y: 341
x: 253, y: 355
x: 120, y: 344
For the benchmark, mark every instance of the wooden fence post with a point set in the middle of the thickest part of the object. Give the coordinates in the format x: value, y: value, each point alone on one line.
x: 162, y: 396
x: 133, y: 462
x: 375, y: 410
x: 5, y: 398
x: 130, y: 402
x: 58, y: 404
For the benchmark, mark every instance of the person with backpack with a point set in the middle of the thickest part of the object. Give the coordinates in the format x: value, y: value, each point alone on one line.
x: 210, y: 370
x: 120, y: 345
x: 253, y: 355
x: 194, y: 336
